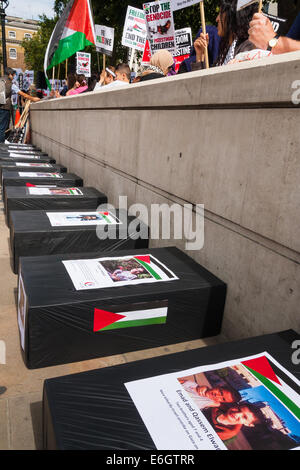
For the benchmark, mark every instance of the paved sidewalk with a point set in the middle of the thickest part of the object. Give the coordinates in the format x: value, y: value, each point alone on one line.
x: 21, y: 402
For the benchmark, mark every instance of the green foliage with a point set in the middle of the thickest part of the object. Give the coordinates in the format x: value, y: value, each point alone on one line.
x: 35, y: 48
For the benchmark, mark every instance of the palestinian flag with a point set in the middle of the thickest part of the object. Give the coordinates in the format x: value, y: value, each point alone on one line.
x: 262, y: 370
x: 73, y: 32
x: 154, y: 313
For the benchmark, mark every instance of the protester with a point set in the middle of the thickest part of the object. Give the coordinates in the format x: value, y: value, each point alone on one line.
x: 160, y: 65
x: 263, y: 36
x: 107, y: 76
x: 213, y: 50
x: 123, y: 75
x: 71, y: 80
x: 92, y: 82
x: 5, y: 109
x: 233, y: 29
x: 79, y: 87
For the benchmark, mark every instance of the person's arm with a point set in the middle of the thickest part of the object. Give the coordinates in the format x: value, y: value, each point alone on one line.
x: 261, y: 32
x: 28, y: 97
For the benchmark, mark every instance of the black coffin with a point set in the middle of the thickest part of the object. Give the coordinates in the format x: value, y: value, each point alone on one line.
x: 93, y: 410
x: 31, y: 234
x: 65, y: 180
x: 59, y: 320
x: 19, y: 199
x: 27, y: 159
x: 38, y: 167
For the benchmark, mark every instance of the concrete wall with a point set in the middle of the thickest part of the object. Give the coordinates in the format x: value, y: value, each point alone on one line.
x: 227, y: 138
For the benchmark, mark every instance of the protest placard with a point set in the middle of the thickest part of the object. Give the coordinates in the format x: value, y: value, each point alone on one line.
x: 278, y: 24
x: 184, y: 43
x: 83, y: 61
x: 160, y: 26
x: 104, y: 39
x: 179, y: 4
x: 134, y: 32
x: 245, y: 3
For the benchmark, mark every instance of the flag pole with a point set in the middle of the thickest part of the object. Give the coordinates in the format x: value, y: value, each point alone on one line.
x: 260, y: 6
x: 202, y: 14
x: 66, y: 69
x: 58, y: 76
x: 98, y: 61
x: 53, y: 75
x: 132, y: 58
x: 104, y: 61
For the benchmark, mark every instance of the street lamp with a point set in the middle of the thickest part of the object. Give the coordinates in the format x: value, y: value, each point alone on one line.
x: 3, y: 5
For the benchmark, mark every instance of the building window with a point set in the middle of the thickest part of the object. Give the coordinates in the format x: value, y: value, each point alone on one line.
x: 27, y: 36
x: 12, y: 34
x: 12, y: 53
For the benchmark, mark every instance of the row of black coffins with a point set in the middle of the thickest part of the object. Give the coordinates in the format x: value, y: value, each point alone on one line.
x: 89, y: 287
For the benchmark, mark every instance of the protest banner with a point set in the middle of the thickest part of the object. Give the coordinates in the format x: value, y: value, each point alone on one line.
x: 160, y: 26
x: 184, y: 43
x: 134, y: 32
x: 277, y: 23
x: 104, y: 39
x: 83, y: 63
x: 246, y: 3
x: 179, y: 4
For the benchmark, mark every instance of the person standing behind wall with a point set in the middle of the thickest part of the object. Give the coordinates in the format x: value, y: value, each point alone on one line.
x: 5, y: 109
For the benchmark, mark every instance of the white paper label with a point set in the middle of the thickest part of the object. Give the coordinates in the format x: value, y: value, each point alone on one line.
x: 117, y: 271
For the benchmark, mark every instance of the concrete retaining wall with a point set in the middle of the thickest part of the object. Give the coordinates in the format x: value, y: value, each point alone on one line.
x: 228, y: 138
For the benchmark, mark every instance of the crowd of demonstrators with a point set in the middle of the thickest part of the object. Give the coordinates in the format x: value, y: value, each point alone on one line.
x: 6, y: 109
x: 236, y: 35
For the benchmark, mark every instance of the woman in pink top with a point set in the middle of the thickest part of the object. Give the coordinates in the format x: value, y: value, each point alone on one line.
x: 79, y: 87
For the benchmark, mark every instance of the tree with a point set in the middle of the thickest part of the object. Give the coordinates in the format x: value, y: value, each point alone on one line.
x: 35, y: 48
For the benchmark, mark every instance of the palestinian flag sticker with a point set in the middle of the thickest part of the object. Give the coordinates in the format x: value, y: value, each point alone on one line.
x: 129, y: 316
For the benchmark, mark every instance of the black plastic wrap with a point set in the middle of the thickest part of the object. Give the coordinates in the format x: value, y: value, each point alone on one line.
x: 12, y: 178
x: 27, y: 159
x: 59, y: 319
x: 93, y: 410
x: 8, y: 166
x: 19, y: 199
x: 31, y: 234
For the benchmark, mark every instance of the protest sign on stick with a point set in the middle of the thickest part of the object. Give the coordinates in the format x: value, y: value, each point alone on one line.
x: 83, y: 63
x: 134, y: 32
x: 160, y: 26
x: 104, y: 41
x: 246, y: 3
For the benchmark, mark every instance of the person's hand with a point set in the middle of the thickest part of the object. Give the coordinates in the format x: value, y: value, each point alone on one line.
x: 201, y: 390
x: 261, y: 31
x: 102, y: 76
x: 35, y: 99
x: 200, y: 45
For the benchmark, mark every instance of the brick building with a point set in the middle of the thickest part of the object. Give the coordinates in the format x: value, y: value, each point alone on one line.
x: 18, y: 29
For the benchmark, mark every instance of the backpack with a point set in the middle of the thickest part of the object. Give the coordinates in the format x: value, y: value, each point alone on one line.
x: 2, y: 91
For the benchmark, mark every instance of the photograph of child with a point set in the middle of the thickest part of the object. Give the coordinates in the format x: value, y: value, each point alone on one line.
x: 125, y: 270
x: 86, y: 217
x: 242, y: 411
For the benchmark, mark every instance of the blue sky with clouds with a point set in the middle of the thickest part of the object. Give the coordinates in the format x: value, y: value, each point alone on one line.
x: 30, y: 9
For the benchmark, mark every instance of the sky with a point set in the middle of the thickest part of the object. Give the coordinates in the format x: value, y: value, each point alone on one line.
x: 30, y: 9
